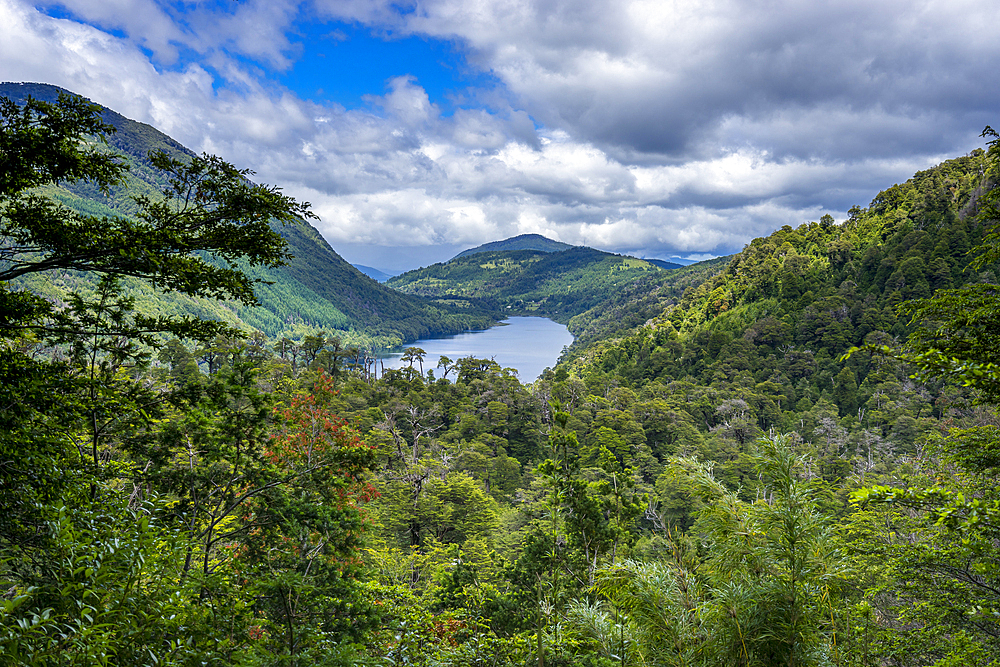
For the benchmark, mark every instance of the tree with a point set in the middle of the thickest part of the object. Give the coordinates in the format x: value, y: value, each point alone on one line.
x: 455, y: 510
x: 446, y: 365
x: 953, y: 553
x: 927, y: 564
x: 775, y: 570
x: 955, y: 338
x: 412, y: 354
x: 765, y: 592
x: 652, y: 618
x: 78, y: 526
x: 208, y: 211
x: 105, y: 588
x: 301, y: 553
x: 41, y: 143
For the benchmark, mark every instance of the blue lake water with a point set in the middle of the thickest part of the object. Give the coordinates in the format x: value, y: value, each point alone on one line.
x: 529, y: 345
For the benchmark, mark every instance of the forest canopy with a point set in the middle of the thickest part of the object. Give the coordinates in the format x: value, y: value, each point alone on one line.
x: 785, y: 457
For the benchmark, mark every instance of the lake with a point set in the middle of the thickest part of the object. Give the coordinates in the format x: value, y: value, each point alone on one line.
x: 527, y: 344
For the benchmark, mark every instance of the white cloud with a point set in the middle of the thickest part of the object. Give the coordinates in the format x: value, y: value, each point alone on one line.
x: 256, y: 28
x: 687, y: 76
x: 666, y: 127
x: 144, y: 20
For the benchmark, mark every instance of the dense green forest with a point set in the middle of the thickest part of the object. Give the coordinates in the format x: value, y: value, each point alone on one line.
x: 786, y: 457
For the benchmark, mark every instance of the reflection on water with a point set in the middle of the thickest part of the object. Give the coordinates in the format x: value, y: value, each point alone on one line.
x: 527, y: 344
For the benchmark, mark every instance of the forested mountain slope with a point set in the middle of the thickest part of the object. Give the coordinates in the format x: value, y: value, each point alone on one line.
x: 640, y: 301
x: 759, y: 345
x: 822, y: 287
x: 317, y: 289
x: 521, y: 242
x: 556, y: 284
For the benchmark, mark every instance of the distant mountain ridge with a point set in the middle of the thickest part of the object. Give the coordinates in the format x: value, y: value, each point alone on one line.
x: 543, y: 244
x: 318, y: 289
x: 552, y: 283
x: 521, y: 242
x: 664, y: 264
x: 374, y: 273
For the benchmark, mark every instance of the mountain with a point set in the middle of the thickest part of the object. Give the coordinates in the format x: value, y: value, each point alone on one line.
x: 557, y: 284
x: 770, y: 325
x: 544, y: 244
x: 522, y: 242
x: 374, y: 273
x: 317, y: 289
x: 683, y: 262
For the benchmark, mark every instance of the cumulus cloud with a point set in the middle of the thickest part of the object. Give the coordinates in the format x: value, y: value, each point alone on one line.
x: 255, y: 28
x: 684, y: 78
x: 646, y: 127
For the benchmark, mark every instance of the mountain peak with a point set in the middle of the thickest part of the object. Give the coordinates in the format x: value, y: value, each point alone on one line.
x: 521, y: 242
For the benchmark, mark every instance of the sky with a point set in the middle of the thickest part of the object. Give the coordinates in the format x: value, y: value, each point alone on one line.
x: 657, y: 128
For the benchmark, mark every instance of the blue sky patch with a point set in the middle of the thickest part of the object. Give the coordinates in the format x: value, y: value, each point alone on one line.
x: 343, y: 63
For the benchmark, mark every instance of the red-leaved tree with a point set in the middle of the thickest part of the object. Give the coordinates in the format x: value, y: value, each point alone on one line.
x: 302, y: 558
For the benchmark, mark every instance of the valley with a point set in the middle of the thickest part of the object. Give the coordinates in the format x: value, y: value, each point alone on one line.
x: 783, y: 456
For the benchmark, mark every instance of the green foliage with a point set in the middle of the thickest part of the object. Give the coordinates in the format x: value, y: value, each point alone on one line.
x: 129, y: 539
x: 774, y: 569
x: 929, y: 546
x: 207, y: 207
x: 104, y: 592
x: 165, y: 503
x: 945, y: 570
x: 954, y: 336
x: 652, y: 617
x: 764, y: 590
